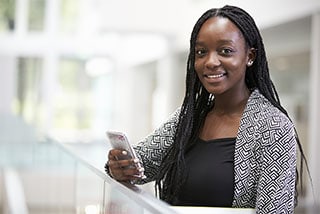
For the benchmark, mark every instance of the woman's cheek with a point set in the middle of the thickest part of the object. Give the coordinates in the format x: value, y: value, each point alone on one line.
x: 196, y: 66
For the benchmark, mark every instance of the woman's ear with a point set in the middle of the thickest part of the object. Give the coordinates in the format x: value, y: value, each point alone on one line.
x: 251, y: 56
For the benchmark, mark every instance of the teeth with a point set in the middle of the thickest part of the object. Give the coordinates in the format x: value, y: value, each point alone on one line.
x: 215, y: 76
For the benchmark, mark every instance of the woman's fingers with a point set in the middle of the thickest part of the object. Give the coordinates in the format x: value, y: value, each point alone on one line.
x: 122, y: 164
x: 123, y: 173
x: 116, y: 154
x: 122, y: 167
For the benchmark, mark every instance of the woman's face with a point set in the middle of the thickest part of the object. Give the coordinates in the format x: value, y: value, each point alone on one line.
x: 221, y: 56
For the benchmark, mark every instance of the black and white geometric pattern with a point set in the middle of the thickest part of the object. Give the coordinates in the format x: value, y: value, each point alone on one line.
x: 265, y: 156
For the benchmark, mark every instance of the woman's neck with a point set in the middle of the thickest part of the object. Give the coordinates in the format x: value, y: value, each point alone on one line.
x: 231, y: 104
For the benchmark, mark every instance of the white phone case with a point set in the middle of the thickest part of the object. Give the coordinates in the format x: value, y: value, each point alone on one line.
x: 119, y: 140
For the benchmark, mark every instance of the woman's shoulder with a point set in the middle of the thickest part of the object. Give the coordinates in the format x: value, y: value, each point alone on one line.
x: 267, y: 121
x: 259, y: 104
x: 265, y: 115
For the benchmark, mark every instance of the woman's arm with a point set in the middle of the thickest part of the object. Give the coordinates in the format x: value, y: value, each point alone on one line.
x: 154, y: 147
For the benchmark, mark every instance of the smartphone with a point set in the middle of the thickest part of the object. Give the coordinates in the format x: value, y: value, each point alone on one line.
x: 119, y: 140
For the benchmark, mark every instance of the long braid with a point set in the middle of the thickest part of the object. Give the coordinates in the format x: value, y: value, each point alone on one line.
x: 198, y: 101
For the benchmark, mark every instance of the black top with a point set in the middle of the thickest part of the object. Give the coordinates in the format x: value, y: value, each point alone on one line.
x: 210, y: 180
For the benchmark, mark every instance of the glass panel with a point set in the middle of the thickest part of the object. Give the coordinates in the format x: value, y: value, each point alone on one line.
x: 52, y: 174
x: 7, y: 15
x: 89, y: 191
x: 127, y: 198
x: 36, y: 15
x: 52, y: 179
x: 46, y: 174
x: 118, y: 202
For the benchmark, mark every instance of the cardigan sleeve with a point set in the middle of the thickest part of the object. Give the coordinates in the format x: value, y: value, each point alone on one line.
x: 154, y: 147
x: 276, y: 185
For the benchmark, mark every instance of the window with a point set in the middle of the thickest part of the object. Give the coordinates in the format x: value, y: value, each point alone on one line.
x: 36, y: 15
x: 7, y: 15
x: 28, y: 101
x: 73, y: 104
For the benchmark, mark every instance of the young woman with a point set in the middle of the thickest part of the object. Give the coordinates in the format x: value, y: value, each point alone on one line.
x: 231, y: 143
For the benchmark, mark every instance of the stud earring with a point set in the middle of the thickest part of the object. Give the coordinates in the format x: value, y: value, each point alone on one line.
x: 250, y: 63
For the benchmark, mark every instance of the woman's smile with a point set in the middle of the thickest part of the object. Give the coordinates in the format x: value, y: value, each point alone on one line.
x: 215, y: 78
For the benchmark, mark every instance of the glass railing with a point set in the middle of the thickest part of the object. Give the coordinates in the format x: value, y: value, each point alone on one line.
x: 52, y: 178
x: 116, y: 197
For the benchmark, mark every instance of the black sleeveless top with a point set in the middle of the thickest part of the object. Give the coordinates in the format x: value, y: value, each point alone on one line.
x: 210, y: 179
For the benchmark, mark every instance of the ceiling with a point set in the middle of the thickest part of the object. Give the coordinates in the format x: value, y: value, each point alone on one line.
x: 175, y: 19
x: 135, y: 31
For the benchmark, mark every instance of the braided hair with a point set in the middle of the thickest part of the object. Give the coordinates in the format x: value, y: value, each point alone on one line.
x: 198, y: 102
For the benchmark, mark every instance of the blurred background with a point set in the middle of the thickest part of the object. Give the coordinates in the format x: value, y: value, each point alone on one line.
x: 72, y: 69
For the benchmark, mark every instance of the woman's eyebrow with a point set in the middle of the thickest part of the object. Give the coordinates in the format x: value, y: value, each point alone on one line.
x: 223, y: 41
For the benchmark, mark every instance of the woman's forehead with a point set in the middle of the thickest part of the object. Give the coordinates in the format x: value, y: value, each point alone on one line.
x: 219, y: 28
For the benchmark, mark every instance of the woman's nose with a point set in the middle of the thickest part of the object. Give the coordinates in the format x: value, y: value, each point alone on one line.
x: 212, y: 60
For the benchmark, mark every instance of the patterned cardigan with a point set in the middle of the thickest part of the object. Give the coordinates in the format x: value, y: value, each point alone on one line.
x: 264, y: 161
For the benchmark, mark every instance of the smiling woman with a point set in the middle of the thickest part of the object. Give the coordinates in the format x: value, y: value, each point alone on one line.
x: 221, y: 57
x: 231, y: 143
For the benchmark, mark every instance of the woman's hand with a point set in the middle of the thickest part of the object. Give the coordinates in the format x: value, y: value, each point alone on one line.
x: 122, y: 167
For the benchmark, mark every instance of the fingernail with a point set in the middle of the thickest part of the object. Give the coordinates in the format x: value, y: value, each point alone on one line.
x: 124, y: 152
x: 135, y: 160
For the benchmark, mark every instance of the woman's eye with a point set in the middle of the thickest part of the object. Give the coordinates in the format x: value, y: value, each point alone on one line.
x: 200, y: 52
x: 226, y: 51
